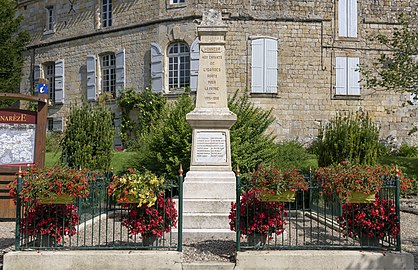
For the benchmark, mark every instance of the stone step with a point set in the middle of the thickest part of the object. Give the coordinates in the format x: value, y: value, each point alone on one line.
x: 205, y: 221
x: 208, y: 266
x: 206, y: 206
x: 197, y: 235
x: 209, y: 190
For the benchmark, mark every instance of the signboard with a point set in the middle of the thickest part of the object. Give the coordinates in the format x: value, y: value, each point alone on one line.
x: 43, y: 88
x: 17, y: 137
x: 210, y: 147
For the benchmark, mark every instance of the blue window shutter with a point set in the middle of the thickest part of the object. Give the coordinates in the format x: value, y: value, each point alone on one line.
x: 156, y: 68
x: 91, y: 78
x: 257, y: 66
x: 270, y: 72
x: 194, y: 64
x: 353, y: 76
x: 37, y: 73
x: 343, y: 18
x: 57, y: 124
x: 59, y: 82
x: 120, y: 71
x: 352, y: 18
x: 340, y: 75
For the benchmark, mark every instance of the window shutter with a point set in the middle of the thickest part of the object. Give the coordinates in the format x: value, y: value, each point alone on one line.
x: 57, y: 124
x: 120, y: 71
x: 352, y: 18
x: 194, y: 64
x: 353, y: 76
x: 342, y: 18
x: 270, y: 73
x: 340, y: 75
x: 257, y: 65
x: 91, y: 78
x: 37, y: 73
x: 59, y: 82
x: 156, y: 68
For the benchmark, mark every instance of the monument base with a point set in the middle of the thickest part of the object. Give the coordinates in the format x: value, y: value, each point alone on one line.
x: 207, y: 197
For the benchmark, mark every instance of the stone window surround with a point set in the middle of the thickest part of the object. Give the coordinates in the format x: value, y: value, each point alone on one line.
x: 343, y: 38
x: 171, y: 5
x: 50, y: 20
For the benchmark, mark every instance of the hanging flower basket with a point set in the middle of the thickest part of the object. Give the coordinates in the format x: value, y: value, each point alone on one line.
x: 284, y: 196
x: 58, y: 199
x: 360, y: 197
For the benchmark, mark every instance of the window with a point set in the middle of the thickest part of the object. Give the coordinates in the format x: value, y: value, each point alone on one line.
x: 178, y: 66
x: 177, y: 1
x: 347, y: 18
x: 50, y: 124
x: 108, y: 67
x: 347, y: 76
x: 106, y: 13
x: 50, y: 76
x: 50, y: 19
x: 264, y: 65
x: 55, y: 124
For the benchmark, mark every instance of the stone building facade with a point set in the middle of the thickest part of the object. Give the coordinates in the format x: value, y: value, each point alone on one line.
x: 296, y: 57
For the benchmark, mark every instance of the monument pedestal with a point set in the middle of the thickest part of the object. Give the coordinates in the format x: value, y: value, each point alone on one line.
x: 209, y: 186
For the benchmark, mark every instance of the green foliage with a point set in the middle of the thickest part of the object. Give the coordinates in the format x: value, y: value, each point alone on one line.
x: 88, y: 138
x: 348, y: 137
x: 407, y: 151
x: 53, y: 141
x: 167, y: 141
x: 139, y: 109
x: 292, y: 154
x: 396, y: 69
x: 12, y: 44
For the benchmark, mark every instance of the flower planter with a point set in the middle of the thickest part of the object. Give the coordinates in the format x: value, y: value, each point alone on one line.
x: 285, y: 196
x: 58, y: 199
x: 45, y: 241
x: 257, y: 239
x: 369, y: 241
x: 360, y: 197
x: 150, y: 240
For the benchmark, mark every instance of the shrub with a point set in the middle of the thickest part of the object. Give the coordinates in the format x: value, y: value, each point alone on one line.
x: 407, y: 151
x: 53, y: 141
x: 349, y: 137
x: 291, y: 154
x: 88, y: 138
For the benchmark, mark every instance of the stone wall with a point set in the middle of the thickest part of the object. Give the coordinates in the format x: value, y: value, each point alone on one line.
x: 305, y: 30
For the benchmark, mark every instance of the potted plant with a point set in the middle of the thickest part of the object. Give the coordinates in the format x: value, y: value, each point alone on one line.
x: 370, y: 222
x: 48, y: 195
x: 136, y: 187
x: 277, y: 185
x: 257, y: 220
x: 350, y: 183
x: 151, y: 222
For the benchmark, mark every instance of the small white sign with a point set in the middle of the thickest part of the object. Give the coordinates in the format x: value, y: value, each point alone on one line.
x: 210, y: 147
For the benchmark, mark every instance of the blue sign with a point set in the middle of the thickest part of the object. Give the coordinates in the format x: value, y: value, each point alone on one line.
x: 42, y: 88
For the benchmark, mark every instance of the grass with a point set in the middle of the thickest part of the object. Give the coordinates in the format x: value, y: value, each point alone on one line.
x: 120, y: 160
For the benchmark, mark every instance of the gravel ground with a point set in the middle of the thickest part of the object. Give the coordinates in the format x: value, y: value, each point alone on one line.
x: 225, y: 250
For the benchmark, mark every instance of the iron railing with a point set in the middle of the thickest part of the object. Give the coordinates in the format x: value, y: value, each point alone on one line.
x: 312, y: 222
x: 95, y: 222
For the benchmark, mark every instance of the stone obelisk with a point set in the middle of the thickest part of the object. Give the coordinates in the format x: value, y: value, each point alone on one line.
x: 209, y: 187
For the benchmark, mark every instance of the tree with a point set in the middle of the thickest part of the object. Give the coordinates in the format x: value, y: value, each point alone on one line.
x: 12, y: 43
x: 396, y: 69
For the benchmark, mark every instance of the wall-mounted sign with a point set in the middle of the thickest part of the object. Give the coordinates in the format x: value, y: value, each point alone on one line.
x: 17, y: 137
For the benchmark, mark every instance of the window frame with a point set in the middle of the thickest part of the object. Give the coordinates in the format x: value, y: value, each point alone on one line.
x: 107, y: 13
x: 108, y: 73
x: 180, y: 60
x: 350, y: 73
x: 50, y: 76
x: 348, y: 20
x: 177, y: 2
x: 50, y: 20
x: 266, y: 61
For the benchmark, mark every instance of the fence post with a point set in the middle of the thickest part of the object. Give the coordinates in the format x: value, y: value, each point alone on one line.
x: 18, y: 210
x: 180, y: 220
x: 398, y: 210
x: 238, y: 210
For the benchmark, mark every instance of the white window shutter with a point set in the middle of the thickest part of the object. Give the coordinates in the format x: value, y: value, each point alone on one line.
x: 352, y: 18
x: 257, y: 66
x: 91, y: 78
x: 37, y: 69
x: 342, y: 18
x: 57, y: 124
x: 194, y: 64
x: 59, y: 82
x: 120, y: 71
x: 340, y: 76
x: 156, y: 68
x: 270, y: 73
x: 353, y: 76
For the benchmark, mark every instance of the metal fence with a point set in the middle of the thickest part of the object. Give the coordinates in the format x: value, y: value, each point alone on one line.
x: 95, y: 222
x: 313, y: 222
